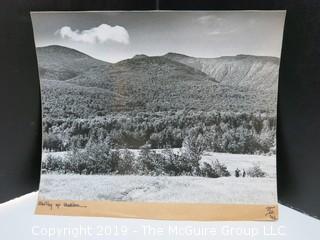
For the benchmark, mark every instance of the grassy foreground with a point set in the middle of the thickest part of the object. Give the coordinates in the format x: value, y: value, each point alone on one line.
x: 159, y: 189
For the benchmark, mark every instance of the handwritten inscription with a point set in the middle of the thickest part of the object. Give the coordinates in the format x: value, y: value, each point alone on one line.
x: 66, y: 204
x: 59, y: 205
x: 270, y: 212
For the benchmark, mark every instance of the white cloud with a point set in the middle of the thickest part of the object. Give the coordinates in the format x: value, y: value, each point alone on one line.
x: 100, y: 34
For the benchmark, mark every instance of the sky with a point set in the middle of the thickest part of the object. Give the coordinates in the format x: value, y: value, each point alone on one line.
x: 115, y: 36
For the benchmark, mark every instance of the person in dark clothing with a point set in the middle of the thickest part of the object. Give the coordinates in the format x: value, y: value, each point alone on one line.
x: 243, y: 173
x: 237, y: 172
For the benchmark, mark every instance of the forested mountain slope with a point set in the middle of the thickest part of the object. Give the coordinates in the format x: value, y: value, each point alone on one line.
x: 61, y: 63
x: 85, y: 86
x: 157, y: 100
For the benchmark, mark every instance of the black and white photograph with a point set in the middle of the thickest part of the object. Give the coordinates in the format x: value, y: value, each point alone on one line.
x: 159, y: 106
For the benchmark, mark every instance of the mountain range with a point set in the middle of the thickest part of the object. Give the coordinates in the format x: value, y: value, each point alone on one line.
x: 256, y: 72
x: 75, y: 84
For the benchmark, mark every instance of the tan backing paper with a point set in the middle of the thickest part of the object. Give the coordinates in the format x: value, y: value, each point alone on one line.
x: 161, y: 211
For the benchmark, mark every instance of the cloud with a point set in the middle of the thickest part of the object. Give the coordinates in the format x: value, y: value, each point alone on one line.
x: 100, y: 34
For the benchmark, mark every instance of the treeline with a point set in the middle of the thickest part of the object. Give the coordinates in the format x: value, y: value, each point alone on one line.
x: 218, y: 132
x: 100, y: 158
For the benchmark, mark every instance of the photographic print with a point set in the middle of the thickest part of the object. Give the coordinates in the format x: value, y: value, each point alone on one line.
x: 159, y: 108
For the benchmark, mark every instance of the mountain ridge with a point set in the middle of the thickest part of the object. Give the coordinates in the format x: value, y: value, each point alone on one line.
x: 158, y: 83
x: 240, y: 70
x: 57, y: 62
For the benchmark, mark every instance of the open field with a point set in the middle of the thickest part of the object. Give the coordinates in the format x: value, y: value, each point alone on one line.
x: 227, y: 190
x: 159, y: 189
x: 243, y: 161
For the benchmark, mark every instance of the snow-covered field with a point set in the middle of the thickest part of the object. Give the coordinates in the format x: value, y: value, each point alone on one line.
x: 170, y: 189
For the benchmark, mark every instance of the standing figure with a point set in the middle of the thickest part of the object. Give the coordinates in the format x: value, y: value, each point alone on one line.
x: 237, y: 172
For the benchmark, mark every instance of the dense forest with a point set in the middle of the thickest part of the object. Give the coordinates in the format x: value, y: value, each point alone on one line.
x: 219, y: 132
x: 228, y: 103
x: 155, y: 115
